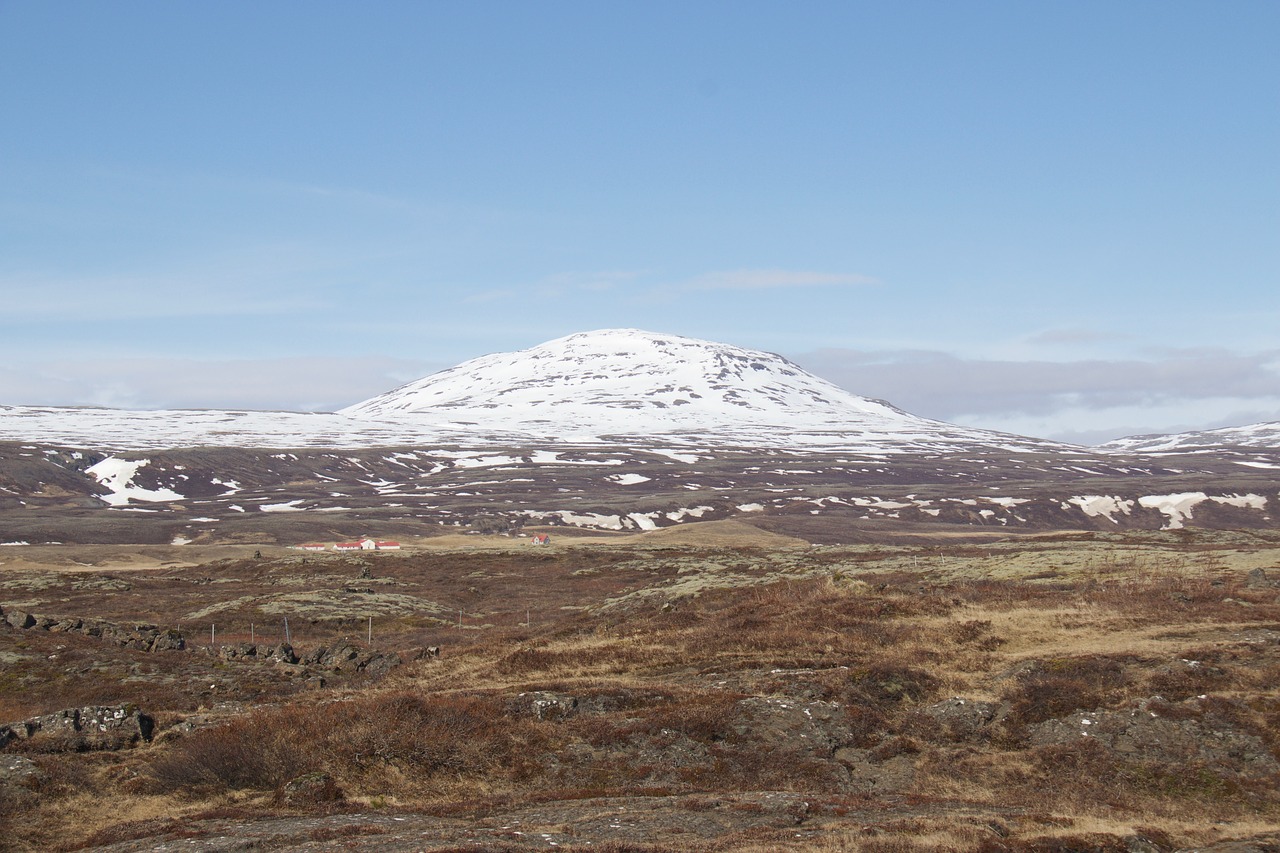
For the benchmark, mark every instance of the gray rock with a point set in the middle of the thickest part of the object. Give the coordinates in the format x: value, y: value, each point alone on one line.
x: 1141, y: 844
x: 167, y: 641
x: 310, y: 789
x: 814, y: 729
x: 1144, y: 733
x: 380, y: 664
x: 546, y: 705
x: 962, y: 719
x: 19, y: 619
x: 19, y: 770
x: 342, y: 657
x: 90, y: 727
x: 282, y: 653
x: 1257, y: 579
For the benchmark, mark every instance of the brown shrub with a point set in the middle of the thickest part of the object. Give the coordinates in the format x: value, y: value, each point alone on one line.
x: 234, y: 756
x: 1091, y: 843
x: 886, y: 684
x: 704, y: 717
x: 423, y: 735
x: 1057, y: 687
x: 971, y: 630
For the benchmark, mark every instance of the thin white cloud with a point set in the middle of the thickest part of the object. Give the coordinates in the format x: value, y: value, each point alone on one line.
x: 293, y: 384
x: 771, y: 279
x: 1073, y: 336
x: 1096, y: 398
x: 114, y: 297
x: 559, y: 286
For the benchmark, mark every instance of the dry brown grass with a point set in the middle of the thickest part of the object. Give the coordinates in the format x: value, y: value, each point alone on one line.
x: 659, y: 686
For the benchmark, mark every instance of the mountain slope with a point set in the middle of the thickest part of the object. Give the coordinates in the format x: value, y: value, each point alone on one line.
x: 631, y: 383
x: 1263, y: 436
x: 617, y: 386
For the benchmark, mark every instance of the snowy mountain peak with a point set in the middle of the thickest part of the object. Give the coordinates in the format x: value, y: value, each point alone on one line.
x: 628, y: 382
x: 621, y: 386
x: 642, y: 380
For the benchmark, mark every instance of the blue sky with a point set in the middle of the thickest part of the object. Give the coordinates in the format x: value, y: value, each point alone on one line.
x: 1060, y: 219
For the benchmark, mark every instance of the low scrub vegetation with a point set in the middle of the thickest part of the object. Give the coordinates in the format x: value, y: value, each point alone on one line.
x: 846, y: 707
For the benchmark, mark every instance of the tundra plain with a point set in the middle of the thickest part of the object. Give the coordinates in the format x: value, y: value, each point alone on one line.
x: 712, y: 686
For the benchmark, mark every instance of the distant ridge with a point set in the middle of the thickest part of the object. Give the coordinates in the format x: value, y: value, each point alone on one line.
x: 1261, y: 436
x: 612, y: 386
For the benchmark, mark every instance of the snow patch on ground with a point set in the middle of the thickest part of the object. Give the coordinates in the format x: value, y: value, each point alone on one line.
x: 1177, y: 507
x: 686, y: 458
x: 1249, y: 501
x: 628, y: 479
x: 590, y: 519
x: 881, y: 504
x: 1105, y: 506
x: 696, y: 512
x: 290, y: 506
x: 644, y: 520
x: 117, y: 475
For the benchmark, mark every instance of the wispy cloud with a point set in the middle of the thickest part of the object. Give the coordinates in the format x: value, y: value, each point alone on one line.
x: 297, y: 384
x: 559, y: 286
x: 1073, y: 336
x: 771, y: 279
x: 114, y: 297
x: 1098, y: 397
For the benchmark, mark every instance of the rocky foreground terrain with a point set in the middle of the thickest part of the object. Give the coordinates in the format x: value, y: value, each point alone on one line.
x: 711, y: 686
x: 770, y: 615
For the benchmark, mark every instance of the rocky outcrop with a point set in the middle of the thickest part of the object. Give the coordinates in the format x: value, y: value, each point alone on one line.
x: 261, y: 652
x: 546, y: 705
x: 19, y: 619
x: 311, y: 789
x: 1258, y: 579
x: 346, y: 657
x: 963, y: 719
x: 1167, y: 733
x: 89, y: 728
x: 141, y: 636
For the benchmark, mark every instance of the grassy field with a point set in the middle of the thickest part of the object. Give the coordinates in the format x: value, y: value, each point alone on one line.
x: 706, y: 687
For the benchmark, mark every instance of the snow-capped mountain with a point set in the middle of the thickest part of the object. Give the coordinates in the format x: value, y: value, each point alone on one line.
x: 632, y: 383
x: 612, y: 430
x: 1263, y: 436
x: 615, y: 385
